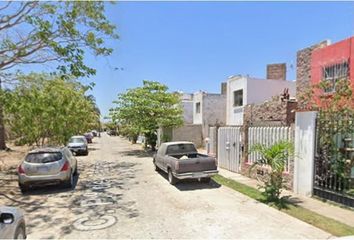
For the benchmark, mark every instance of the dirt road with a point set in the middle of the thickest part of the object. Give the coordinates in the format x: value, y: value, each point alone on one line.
x: 119, y: 195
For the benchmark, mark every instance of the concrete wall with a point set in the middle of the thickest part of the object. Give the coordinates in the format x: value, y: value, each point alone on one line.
x: 214, y: 112
x: 187, y: 111
x: 305, y: 126
x: 189, y: 132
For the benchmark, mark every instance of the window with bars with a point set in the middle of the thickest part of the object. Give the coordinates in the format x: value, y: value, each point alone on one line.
x: 331, y: 74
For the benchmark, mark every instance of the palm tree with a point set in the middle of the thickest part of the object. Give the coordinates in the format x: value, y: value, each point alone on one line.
x: 273, y: 159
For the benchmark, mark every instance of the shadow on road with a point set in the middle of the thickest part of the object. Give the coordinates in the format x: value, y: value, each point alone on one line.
x: 99, y: 193
x: 138, y: 153
x: 191, y: 184
x: 93, y: 149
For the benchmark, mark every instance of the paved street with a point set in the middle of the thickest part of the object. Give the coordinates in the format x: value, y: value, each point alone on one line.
x: 119, y: 195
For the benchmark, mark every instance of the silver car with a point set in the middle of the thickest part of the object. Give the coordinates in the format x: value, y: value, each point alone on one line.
x: 46, y: 166
x: 78, y: 145
x: 12, y: 223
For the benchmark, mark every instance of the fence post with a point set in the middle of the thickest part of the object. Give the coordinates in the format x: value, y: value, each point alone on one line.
x: 305, y: 135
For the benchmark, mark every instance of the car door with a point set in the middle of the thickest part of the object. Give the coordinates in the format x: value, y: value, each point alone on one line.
x: 68, y: 156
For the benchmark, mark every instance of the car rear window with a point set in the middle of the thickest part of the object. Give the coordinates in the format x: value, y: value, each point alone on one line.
x: 180, y: 149
x: 77, y: 140
x: 44, y: 157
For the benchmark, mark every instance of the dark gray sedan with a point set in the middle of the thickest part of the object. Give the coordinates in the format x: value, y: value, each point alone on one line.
x: 78, y: 145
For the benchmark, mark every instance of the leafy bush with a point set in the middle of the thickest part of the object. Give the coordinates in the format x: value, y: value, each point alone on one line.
x: 272, y: 161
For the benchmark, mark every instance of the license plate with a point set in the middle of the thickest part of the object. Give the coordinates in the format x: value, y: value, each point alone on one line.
x: 43, y: 169
x: 197, y: 175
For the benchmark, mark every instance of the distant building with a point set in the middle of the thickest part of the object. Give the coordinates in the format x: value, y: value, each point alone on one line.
x: 209, y: 109
x: 187, y: 106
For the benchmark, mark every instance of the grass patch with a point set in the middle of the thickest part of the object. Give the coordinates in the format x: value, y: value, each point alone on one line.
x: 327, y: 224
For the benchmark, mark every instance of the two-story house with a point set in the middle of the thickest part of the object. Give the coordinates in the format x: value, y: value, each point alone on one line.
x: 244, y: 90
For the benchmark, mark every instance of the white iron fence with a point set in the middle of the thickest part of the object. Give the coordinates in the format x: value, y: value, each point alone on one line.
x: 267, y: 136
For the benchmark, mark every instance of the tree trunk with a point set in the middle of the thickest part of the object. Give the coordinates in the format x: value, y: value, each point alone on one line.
x: 2, y: 125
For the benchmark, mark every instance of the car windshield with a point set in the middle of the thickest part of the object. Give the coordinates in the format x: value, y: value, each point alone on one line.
x: 76, y: 140
x: 43, y: 157
x: 180, y: 149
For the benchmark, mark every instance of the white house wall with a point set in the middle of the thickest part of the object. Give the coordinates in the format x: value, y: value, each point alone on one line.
x: 234, y: 115
x: 261, y: 90
x: 197, y: 117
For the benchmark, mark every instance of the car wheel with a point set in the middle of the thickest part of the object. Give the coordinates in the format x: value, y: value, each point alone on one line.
x: 156, y: 167
x: 70, y: 182
x: 172, y: 180
x: 76, y: 171
x: 86, y: 152
x: 20, y: 232
x: 23, y: 188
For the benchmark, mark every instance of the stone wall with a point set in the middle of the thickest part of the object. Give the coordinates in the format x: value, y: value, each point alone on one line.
x: 271, y: 113
x: 303, y: 69
x: 276, y: 71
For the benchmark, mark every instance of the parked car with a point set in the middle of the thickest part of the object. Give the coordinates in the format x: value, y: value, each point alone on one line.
x: 47, y: 166
x: 94, y: 133
x: 78, y: 145
x: 181, y: 160
x: 12, y: 223
x: 88, y: 137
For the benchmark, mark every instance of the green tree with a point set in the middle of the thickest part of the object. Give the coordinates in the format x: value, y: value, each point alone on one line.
x: 60, y: 33
x: 45, y: 109
x: 272, y: 164
x: 145, y: 109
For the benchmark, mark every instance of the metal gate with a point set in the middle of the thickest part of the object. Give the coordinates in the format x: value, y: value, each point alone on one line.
x: 229, y: 148
x: 334, y: 160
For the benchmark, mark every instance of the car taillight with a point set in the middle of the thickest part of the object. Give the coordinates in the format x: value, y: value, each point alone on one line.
x: 20, y: 170
x: 177, y: 166
x: 65, y: 167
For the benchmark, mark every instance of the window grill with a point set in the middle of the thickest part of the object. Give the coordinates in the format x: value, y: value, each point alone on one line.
x: 331, y: 74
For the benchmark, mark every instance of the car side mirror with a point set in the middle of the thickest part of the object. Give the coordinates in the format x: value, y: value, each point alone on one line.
x: 7, y: 218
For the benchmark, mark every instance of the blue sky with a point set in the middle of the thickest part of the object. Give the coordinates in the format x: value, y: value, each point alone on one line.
x: 193, y: 46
